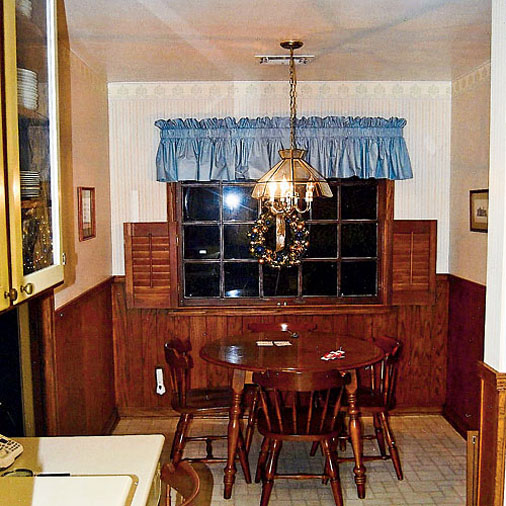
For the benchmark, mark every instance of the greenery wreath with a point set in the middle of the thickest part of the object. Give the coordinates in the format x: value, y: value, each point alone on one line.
x: 293, y: 251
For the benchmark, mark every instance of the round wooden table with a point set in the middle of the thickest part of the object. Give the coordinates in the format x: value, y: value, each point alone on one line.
x: 241, y: 353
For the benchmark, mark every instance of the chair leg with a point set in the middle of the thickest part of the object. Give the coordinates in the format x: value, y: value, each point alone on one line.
x: 262, y: 458
x: 394, y: 453
x: 252, y: 418
x: 243, y: 458
x: 270, y: 473
x: 379, y: 435
x: 332, y: 469
x: 314, y: 447
x: 179, y: 444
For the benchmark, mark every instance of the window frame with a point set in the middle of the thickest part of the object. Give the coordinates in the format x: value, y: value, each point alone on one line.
x: 385, y: 192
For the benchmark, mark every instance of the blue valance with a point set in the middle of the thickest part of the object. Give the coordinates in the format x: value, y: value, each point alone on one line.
x: 230, y: 150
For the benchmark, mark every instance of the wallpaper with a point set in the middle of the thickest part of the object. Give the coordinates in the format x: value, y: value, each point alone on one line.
x: 134, y: 107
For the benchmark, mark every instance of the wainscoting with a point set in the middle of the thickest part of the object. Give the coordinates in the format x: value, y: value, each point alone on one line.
x: 139, y: 336
x: 466, y: 327
x: 82, y: 365
x: 492, y: 436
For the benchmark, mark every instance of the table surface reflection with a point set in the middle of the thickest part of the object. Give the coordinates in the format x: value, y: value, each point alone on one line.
x: 304, y: 353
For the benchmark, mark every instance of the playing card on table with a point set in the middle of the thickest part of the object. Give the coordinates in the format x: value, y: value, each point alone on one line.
x: 332, y: 355
x: 265, y: 343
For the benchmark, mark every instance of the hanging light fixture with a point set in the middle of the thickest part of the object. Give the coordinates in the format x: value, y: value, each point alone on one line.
x: 287, y: 191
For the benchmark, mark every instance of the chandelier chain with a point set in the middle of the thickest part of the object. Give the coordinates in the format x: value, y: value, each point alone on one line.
x: 293, y: 98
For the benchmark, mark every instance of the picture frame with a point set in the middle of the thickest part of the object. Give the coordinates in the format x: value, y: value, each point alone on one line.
x: 86, y: 212
x: 478, y: 207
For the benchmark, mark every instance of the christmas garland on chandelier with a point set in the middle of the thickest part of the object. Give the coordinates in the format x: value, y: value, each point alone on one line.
x: 292, y: 253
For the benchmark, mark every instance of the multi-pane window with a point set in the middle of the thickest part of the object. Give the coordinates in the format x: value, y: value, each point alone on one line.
x: 342, y: 262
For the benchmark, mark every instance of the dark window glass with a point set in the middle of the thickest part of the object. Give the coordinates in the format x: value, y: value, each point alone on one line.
x: 358, y: 202
x: 202, y: 280
x: 322, y: 241
x: 280, y: 282
x: 236, y: 241
x: 238, y: 204
x: 319, y: 278
x: 358, y: 278
x: 358, y: 240
x: 201, y: 203
x: 202, y: 241
x: 341, y: 261
x: 325, y: 208
x: 241, y: 279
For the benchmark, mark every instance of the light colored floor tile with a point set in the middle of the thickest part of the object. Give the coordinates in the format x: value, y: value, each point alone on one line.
x: 432, y: 456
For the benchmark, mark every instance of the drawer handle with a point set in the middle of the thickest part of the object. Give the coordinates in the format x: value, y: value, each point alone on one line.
x: 12, y: 294
x: 28, y: 288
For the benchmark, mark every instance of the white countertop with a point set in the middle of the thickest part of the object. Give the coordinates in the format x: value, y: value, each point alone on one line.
x: 59, y: 491
x: 135, y: 456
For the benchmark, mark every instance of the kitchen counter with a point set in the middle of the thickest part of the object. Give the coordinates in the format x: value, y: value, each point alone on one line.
x: 62, y: 491
x: 135, y: 457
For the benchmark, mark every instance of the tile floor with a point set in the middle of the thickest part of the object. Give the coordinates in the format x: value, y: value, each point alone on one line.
x: 433, y: 457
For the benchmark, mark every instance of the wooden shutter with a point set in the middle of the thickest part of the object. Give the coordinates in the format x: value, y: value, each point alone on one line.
x: 414, y: 262
x: 151, y: 280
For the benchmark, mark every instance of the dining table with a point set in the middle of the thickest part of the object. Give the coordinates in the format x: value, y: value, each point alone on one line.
x: 288, y: 352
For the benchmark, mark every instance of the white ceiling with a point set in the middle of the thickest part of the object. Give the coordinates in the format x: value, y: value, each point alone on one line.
x: 216, y: 40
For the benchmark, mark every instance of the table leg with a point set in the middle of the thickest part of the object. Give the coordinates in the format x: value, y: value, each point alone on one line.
x: 233, y: 430
x: 355, y: 431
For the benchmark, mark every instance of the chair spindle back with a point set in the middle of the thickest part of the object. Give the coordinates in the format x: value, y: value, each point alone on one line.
x: 383, y: 374
x: 180, y: 362
x: 298, y: 403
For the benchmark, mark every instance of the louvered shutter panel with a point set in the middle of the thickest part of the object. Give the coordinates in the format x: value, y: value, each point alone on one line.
x: 414, y: 262
x: 149, y: 278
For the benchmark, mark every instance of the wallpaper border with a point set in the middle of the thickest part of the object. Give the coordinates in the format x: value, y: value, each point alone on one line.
x: 306, y: 89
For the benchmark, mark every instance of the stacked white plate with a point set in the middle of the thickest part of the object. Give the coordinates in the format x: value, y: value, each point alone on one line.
x: 28, y: 94
x: 30, y: 184
x: 24, y: 7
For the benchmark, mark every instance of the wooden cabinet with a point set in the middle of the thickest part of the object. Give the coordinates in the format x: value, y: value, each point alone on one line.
x: 30, y: 228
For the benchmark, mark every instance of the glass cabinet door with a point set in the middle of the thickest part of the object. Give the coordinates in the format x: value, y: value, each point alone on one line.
x: 4, y: 251
x: 32, y: 145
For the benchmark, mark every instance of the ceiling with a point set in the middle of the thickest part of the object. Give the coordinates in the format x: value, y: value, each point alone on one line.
x: 216, y: 40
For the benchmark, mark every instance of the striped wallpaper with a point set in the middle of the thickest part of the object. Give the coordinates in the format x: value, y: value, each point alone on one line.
x: 133, y: 138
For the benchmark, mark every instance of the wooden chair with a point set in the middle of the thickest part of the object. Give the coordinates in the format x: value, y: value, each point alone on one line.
x: 189, y: 401
x: 294, y: 330
x: 289, y: 412
x: 375, y: 396
x: 184, y: 480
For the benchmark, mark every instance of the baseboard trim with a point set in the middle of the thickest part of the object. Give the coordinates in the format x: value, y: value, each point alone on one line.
x: 416, y: 411
x: 170, y: 413
x: 456, y: 421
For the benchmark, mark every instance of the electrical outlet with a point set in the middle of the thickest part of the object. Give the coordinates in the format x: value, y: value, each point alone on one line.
x: 160, y: 387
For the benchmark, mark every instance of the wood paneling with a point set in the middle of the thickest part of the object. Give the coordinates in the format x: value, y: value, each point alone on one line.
x: 80, y: 364
x: 139, y: 336
x: 466, y: 330
x: 492, y: 436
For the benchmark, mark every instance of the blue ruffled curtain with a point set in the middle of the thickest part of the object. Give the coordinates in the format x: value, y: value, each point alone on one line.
x: 231, y: 150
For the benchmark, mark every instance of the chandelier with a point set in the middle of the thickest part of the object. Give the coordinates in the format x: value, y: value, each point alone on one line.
x: 287, y: 191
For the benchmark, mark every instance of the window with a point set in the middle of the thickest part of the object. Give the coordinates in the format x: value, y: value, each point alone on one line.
x: 343, y: 262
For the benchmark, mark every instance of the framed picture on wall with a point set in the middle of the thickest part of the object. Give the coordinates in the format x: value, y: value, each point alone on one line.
x: 86, y: 212
x: 478, y: 204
